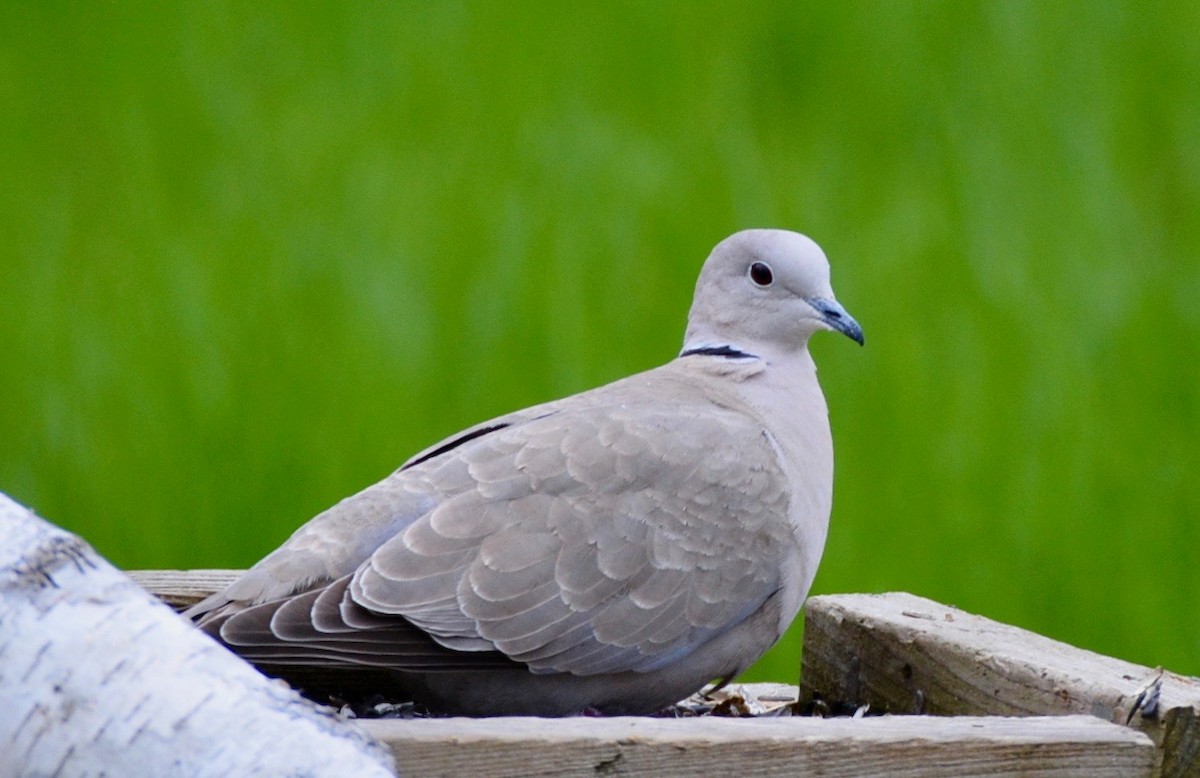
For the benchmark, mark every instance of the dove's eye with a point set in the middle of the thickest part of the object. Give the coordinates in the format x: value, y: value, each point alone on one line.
x: 760, y: 273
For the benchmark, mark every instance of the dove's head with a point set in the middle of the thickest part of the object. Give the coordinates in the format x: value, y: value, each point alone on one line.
x: 764, y: 291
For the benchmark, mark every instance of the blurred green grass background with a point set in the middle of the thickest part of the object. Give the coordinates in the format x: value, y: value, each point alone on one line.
x: 255, y: 255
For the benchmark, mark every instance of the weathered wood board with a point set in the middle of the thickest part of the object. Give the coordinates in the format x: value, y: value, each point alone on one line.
x: 183, y: 588
x: 900, y: 746
x: 905, y: 654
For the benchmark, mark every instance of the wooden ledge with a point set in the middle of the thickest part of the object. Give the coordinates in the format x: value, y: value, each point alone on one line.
x: 183, y: 588
x: 897, y: 653
x: 901, y: 653
x: 880, y: 745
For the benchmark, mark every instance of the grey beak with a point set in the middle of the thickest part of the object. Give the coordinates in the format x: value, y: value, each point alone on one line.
x: 833, y: 314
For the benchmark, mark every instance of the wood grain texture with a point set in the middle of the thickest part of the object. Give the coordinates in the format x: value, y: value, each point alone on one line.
x: 905, y: 654
x: 183, y: 588
x: 887, y: 745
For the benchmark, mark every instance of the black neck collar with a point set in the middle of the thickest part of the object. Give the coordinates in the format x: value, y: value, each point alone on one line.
x: 727, y: 352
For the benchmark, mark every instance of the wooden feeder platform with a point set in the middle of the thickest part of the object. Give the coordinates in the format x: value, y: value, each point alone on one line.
x: 960, y: 695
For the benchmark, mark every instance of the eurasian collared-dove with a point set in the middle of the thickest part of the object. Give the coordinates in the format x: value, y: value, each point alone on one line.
x: 614, y: 550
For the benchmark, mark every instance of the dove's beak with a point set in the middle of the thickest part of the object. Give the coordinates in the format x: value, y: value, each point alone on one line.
x: 834, y: 315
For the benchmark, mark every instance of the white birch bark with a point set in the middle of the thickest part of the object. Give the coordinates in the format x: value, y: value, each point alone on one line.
x: 99, y: 678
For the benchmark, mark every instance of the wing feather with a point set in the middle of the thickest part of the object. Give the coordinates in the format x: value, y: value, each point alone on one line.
x: 585, y: 538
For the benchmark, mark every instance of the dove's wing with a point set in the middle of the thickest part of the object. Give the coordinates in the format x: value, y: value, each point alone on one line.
x: 597, y: 537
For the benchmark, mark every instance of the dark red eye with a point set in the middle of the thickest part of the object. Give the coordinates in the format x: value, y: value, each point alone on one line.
x: 760, y: 273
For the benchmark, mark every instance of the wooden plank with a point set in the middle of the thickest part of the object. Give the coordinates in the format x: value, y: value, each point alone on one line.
x: 905, y: 654
x: 852, y: 657
x: 183, y: 588
x: 904, y: 746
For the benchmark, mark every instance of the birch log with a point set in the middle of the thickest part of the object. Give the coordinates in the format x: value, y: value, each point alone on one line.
x: 98, y: 678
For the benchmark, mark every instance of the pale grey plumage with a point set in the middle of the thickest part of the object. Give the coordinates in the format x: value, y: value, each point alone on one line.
x: 613, y: 550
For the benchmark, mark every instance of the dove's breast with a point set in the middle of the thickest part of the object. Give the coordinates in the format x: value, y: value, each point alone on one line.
x: 784, y: 398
